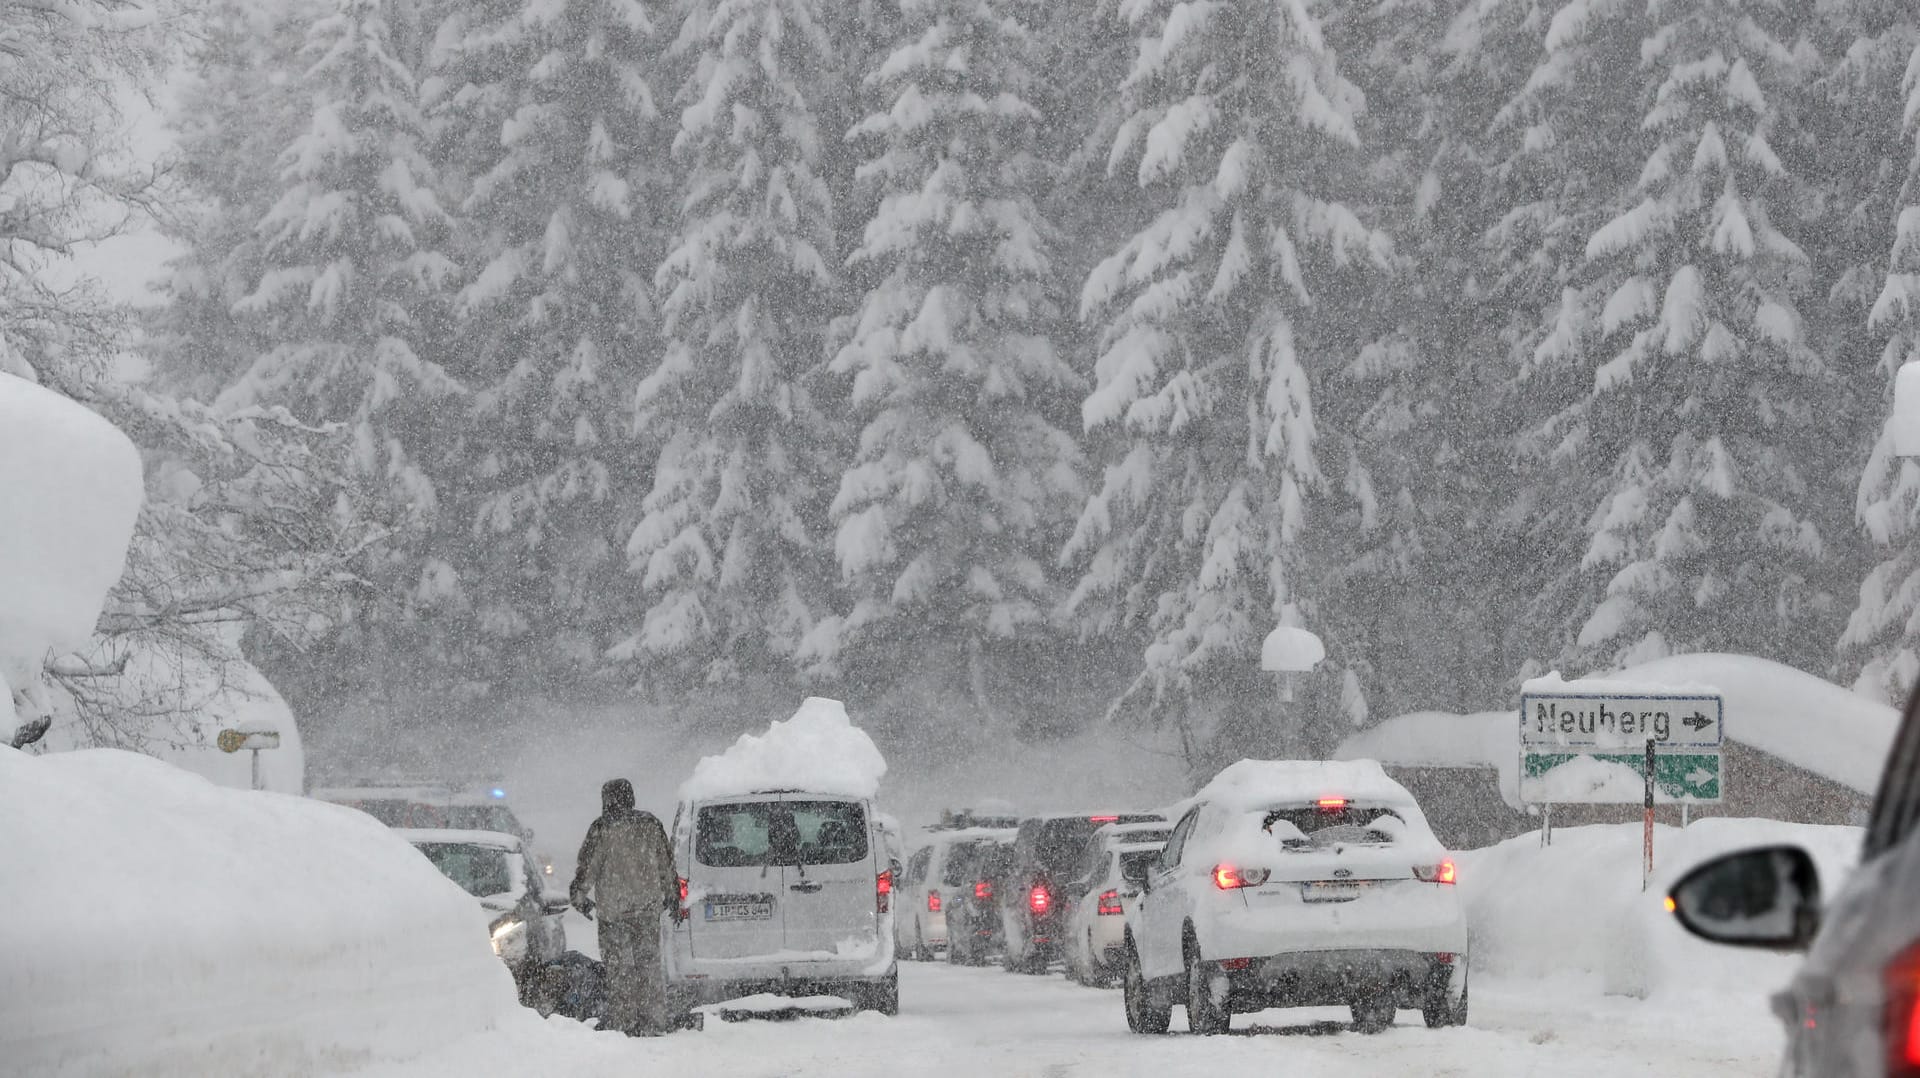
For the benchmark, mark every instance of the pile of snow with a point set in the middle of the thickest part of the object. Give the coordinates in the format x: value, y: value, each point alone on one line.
x: 1258, y: 784
x: 1804, y: 720
x: 70, y: 490
x: 1576, y: 908
x: 818, y: 750
x: 157, y: 924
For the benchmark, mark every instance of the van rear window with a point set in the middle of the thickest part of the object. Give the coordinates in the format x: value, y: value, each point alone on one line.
x: 760, y: 833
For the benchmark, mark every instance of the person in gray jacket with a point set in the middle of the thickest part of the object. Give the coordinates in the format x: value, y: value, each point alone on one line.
x: 626, y: 874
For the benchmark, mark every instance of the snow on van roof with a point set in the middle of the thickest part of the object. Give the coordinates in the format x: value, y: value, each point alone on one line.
x: 1255, y: 784
x: 818, y: 750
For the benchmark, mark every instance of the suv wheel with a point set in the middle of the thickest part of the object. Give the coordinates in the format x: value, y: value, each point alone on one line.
x: 884, y: 997
x: 1205, y: 1015
x: 1439, y: 1011
x: 1374, y: 1013
x: 1147, y: 1011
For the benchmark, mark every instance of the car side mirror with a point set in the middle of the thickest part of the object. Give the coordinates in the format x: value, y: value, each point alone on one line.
x: 1767, y: 897
x: 553, y: 902
x: 1135, y: 876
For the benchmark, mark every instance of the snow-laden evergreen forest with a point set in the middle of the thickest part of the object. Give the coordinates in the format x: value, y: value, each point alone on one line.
x: 1002, y: 364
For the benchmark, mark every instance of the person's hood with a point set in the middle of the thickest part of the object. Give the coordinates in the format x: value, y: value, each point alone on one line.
x: 616, y: 796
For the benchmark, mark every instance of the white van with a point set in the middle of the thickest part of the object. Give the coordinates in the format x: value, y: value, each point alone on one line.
x: 784, y: 892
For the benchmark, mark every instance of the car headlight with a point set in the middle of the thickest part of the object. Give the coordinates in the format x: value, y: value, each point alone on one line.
x: 507, y: 934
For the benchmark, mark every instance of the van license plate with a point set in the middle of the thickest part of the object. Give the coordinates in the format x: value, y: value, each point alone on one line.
x: 748, y: 910
x: 1329, y: 891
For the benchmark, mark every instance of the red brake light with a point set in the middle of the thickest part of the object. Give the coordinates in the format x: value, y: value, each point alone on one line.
x: 1444, y: 872
x: 1038, y: 900
x: 1103, y: 819
x: 1230, y: 878
x: 933, y: 902
x: 883, y: 891
x: 1902, y: 982
x: 1110, y: 903
x: 983, y: 889
x: 683, y: 890
x: 1330, y: 804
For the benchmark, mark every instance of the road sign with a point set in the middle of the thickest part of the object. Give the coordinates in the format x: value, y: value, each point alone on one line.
x: 1594, y: 721
x: 235, y: 740
x: 1610, y: 778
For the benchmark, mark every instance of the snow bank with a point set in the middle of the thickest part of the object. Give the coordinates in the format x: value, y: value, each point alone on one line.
x: 70, y: 489
x: 157, y: 924
x: 1256, y: 784
x: 1577, y: 908
x: 819, y: 750
x: 1805, y: 720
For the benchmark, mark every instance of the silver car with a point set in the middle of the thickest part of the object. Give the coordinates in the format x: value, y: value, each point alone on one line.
x: 1853, y: 1009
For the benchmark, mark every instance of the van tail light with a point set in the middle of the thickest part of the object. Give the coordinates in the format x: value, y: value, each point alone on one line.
x: 1038, y: 900
x: 1232, y: 878
x: 933, y: 902
x: 1902, y: 981
x: 883, y: 891
x: 682, y: 913
x: 1110, y: 903
x: 983, y: 889
x: 1444, y: 872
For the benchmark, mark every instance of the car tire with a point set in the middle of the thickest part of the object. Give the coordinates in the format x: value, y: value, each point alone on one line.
x: 884, y: 998
x: 1148, y: 1012
x: 1375, y: 1013
x: 1204, y: 1016
x: 920, y: 952
x: 1441, y: 1012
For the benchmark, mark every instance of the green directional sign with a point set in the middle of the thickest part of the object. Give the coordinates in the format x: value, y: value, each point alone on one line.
x: 1619, y: 777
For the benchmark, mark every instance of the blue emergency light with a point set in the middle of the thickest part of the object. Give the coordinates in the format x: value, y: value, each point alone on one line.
x: 498, y: 793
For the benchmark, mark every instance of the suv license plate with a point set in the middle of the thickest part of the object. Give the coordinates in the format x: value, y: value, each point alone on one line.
x: 739, y: 911
x: 1329, y: 891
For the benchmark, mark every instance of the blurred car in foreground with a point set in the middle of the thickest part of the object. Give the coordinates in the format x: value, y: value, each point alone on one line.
x: 1298, y: 884
x: 523, y: 920
x: 977, y: 873
x: 935, y: 880
x: 479, y: 805
x: 1098, y: 897
x: 1033, y: 903
x: 1853, y: 1008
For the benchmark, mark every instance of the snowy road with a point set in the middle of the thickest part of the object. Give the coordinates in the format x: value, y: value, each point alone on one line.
x: 972, y: 1022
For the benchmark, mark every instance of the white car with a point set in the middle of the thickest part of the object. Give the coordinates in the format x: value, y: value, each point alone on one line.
x: 522, y: 919
x: 932, y: 883
x: 1099, y: 895
x: 1298, y: 884
x: 784, y: 892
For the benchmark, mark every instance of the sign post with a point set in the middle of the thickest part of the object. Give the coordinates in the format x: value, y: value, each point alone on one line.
x: 252, y: 737
x: 1646, y: 866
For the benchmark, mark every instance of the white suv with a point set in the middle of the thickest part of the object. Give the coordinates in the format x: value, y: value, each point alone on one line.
x: 784, y: 892
x: 1099, y: 896
x: 1298, y: 884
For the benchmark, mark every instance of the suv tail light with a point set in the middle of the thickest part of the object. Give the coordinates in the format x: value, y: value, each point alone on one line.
x: 1902, y: 981
x: 1230, y: 878
x: 883, y: 891
x: 1110, y: 903
x: 983, y: 889
x: 1443, y: 872
x: 1038, y: 900
x: 933, y: 902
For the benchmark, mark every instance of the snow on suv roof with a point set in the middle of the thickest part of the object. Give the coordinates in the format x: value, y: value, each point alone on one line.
x: 446, y: 836
x: 1258, y: 784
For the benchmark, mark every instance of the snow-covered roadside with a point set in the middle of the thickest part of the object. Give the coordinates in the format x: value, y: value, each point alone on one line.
x: 1575, y: 911
x: 157, y: 924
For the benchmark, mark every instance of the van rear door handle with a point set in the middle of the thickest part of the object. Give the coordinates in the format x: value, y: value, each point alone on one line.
x: 807, y: 887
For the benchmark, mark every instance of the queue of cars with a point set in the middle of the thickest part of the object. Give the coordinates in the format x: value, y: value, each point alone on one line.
x: 1280, y: 884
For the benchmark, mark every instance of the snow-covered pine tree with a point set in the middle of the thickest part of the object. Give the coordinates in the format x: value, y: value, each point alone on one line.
x: 1202, y: 412
x: 1882, y: 639
x: 352, y: 294
x: 728, y: 547
x: 963, y: 481
x: 1707, y: 421
x: 551, y: 110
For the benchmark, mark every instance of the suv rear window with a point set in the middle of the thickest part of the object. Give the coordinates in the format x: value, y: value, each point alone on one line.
x: 760, y: 833
x: 1056, y: 846
x: 1373, y: 825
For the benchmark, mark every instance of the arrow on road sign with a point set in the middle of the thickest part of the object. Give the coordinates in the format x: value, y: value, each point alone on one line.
x: 1697, y: 721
